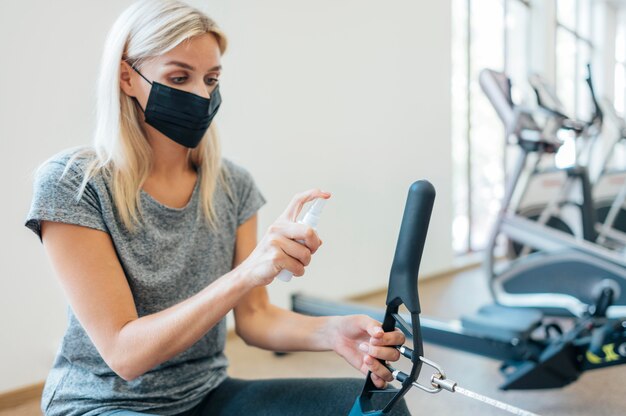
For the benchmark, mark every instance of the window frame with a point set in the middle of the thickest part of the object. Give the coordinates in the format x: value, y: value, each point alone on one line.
x: 469, y: 245
x: 579, y: 40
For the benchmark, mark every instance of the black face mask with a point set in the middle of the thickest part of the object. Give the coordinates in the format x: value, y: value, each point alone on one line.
x: 180, y: 115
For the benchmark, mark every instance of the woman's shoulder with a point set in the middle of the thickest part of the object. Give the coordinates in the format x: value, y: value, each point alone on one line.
x: 232, y: 168
x: 235, y: 174
x: 247, y: 196
x: 74, y: 160
x: 65, y: 172
x: 61, y: 195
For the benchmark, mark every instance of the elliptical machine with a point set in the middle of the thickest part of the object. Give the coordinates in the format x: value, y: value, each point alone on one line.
x: 567, y: 275
x: 568, y: 210
x: 566, y: 207
x: 611, y: 211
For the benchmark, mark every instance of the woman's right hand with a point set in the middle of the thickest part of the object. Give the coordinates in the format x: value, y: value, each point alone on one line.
x: 278, y: 249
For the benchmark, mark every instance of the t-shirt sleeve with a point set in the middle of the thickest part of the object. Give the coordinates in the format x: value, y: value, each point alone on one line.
x: 248, y: 196
x: 55, y: 199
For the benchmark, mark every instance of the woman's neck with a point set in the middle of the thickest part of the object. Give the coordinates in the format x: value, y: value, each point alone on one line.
x: 169, y: 159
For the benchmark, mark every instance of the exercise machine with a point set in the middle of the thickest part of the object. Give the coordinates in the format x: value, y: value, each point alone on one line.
x: 567, y: 277
x: 537, y: 364
x: 403, y: 291
x: 555, y: 201
x: 611, y: 214
x: 536, y: 354
x: 595, y: 214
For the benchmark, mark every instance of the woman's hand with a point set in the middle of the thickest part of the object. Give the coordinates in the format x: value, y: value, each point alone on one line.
x: 278, y: 249
x: 360, y: 340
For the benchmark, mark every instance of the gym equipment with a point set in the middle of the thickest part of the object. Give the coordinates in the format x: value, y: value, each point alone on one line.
x: 576, y: 279
x: 567, y: 275
x: 611, y: 225
x: 569, y: 209
x: 586, y: 131
x: 402, y: 290
x: 606, y: 195
x: 536, y: 353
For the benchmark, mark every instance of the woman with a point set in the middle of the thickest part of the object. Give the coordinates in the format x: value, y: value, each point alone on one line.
x: 153, y: 238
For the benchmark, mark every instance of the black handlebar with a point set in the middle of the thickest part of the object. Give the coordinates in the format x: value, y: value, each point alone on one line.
x: 410, y: 246
x: 403, y: 290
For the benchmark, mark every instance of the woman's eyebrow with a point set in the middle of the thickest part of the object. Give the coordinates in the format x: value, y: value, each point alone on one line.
x: 191, y: 68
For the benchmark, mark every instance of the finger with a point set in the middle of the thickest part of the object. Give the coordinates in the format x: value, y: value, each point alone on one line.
x: 286, y: 262
x: 382, y: 353
x: 300, y: 232
x: 295, y: 250
x: 379, y: 382
x: 395, y: 337
x: 374, y: 329
x: 297, y: 202
x: 378, y: 368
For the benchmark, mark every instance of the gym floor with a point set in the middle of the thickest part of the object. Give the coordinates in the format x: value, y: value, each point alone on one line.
x: 596, y: 393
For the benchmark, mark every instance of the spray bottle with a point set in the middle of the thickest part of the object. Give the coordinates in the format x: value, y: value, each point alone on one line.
x: 311, y: 218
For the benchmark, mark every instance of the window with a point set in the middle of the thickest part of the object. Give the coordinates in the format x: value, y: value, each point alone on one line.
x: 486, y: 34
x: 573, y: 51
x: 620, y: 64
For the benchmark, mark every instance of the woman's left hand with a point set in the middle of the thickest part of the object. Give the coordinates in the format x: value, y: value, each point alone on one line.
x: 360, y: 340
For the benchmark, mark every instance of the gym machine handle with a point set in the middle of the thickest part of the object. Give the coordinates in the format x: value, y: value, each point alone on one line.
x: 402, y: 290
x: 410, y: 246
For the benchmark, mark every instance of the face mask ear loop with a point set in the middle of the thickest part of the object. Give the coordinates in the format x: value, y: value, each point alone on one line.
x: 139, y: 105
x: 141, y: 75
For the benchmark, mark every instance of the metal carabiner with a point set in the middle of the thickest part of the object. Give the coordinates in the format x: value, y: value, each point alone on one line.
x: 440, y: 375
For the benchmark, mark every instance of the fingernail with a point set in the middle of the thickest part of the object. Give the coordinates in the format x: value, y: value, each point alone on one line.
x: 364, y: 347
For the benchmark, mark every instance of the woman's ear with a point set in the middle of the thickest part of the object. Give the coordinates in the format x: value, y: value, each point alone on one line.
x: 126, y: 79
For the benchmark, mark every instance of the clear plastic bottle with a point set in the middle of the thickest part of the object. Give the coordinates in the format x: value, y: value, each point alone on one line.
x: 311, y: 218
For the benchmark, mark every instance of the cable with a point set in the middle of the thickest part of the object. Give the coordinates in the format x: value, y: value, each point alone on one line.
x: 439, y: 382
x: 493, y: 402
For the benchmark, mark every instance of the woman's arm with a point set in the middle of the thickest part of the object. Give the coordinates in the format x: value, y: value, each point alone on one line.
x: 359, y: 339
x: 86, y: 264
x: 263, y: 325
x: 91, y: 275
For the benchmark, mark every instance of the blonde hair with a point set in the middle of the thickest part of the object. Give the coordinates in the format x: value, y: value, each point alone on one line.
x: 146, y: 29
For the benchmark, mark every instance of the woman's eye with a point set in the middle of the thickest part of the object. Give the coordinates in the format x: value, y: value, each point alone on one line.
x: 211, y: 81
x: 178, y: 80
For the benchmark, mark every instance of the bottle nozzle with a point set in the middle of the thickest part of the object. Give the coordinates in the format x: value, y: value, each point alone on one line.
x: 317, y: 207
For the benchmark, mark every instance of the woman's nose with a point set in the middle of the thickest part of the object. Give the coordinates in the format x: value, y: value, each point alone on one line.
x: 203, y: 90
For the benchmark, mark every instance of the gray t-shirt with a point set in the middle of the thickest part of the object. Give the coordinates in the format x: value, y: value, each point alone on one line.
x: 172, y: 256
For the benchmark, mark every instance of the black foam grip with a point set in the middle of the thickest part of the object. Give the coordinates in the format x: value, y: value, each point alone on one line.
x: 410, y: 246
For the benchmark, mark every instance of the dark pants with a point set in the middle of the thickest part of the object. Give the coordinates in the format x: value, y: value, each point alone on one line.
x: 282, y: 397
x: 285, y: 397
